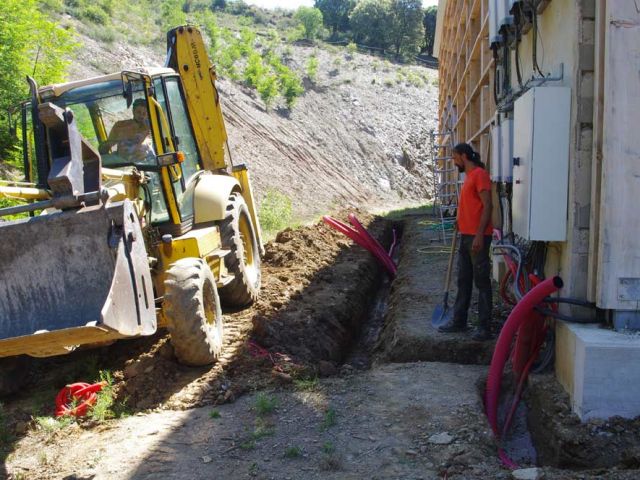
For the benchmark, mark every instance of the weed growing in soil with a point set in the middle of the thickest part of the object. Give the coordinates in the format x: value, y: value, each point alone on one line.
x: 214, y: 414
x: 248, y: 445
x: 329, y: 419
x: 50, y: 425
x: 306, y: 384
x: 263, y: 429
x: 328, y: 447
x: 265, y: 404
x: 312, y: 68
x: 330, y: 462
x: 293, y: 452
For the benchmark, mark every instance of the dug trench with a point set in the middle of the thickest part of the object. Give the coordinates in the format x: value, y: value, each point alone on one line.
x: 326, y: 310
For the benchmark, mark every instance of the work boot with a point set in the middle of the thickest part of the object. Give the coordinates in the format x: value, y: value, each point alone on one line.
x: 481, y: 334
x: 453, y: 327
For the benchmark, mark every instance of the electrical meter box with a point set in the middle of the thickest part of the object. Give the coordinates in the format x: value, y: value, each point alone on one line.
x: 542, y: 119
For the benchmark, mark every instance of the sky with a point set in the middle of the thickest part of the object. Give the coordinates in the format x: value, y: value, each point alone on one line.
x: 293, y: 4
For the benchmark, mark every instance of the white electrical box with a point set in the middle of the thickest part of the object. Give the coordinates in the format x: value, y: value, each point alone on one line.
x: 502, y: 148
x: 541, y: 163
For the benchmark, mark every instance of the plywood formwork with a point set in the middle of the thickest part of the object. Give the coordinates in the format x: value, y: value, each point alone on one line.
x: 466, y: 71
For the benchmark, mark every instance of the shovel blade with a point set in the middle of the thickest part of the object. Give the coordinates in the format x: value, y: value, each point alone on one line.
x: 442, y: 315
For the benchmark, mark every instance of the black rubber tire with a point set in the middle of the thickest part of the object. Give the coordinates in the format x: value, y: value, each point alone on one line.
x: 192, y: 308
x: 245, y: 286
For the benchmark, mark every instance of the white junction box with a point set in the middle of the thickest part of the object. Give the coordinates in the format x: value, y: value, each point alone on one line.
x: 541, y: 163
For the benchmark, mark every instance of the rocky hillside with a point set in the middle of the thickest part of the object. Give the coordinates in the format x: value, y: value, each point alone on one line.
x: 359, y: 135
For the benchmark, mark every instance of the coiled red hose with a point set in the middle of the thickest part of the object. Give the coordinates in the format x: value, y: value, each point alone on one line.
x: 76, y: 398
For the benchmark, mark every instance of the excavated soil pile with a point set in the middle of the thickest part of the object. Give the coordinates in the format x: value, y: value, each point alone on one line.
x: 563, y: 441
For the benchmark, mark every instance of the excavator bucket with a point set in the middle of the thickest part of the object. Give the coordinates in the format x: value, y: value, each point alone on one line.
x: 71, y: 278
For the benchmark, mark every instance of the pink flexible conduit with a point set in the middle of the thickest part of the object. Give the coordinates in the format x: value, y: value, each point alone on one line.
x: 521, y: 313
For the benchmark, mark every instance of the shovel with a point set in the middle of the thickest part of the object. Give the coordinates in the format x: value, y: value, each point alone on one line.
x: 442, y: 314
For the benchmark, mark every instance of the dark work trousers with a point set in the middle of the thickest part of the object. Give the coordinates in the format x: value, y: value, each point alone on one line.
x: 473, y: 268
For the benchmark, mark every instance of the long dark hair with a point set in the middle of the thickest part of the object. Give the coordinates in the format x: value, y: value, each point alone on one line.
x: 468, y: 151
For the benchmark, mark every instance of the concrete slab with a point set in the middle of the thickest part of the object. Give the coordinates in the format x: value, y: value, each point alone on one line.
x: 408, y: 335
x: 600, y: 369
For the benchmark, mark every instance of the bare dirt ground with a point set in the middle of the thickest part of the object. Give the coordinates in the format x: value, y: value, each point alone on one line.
x: 259, y: 415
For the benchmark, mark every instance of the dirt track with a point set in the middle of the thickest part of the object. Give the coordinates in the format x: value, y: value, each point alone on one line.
x: 417, y: 420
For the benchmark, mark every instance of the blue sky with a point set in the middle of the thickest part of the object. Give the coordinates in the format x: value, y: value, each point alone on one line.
x: 293, y: 4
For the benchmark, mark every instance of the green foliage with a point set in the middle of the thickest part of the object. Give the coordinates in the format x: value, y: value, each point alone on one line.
x: 335, y: 14
x: 290, y: 87
x: 268, y: 89
x: 352, y: 48
x: 370, y: 22
x: 265, y: 404
x: 307, y: 384
x: 275, y: 211
x: 213, y: 414
x: 254, y: 71
x: 27, y: 35
x: 429, y: 24
x: 406, y: 29
x: 328, y: 448
x: 312, y: 68
x: 247, y: 40
x: 293, y: 452
x: 171, y: 14
x: 296, y: 33
x: 329, y: 419
x: 51, y: 425
x: 311, y: 19
x: 105, y: 407
x: 262, y: 429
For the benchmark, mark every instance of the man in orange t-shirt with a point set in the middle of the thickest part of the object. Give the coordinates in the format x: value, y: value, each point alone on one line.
x: 474, y: 226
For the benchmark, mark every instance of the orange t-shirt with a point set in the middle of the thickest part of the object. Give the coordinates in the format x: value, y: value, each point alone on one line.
x: 470, y: 204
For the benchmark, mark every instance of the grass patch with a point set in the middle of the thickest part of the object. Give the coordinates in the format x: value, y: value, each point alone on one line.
x: 265, y: 404
x: 275, y: 212
x: 329, y: 419
x: 213, y: 414
x: 262, y: 429
x: 403, y: 212
x: 328, y: 448
x: 293, y: 452
x: 306, y: 384
x: 51, y: 425
x: 248, y: 445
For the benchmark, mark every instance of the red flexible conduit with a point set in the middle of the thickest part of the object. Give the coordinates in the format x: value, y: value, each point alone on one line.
x: 521, y: 313
x: 364, y: 239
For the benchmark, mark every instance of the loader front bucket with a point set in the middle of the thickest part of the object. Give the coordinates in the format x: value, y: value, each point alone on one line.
x: 72, y: 278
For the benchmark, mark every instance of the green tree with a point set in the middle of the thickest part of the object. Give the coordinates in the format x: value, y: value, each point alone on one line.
x: 29, y: 45
x: 406, y: 30
x: 171, y: 14
x: 429, y: 23
x: 370, y: 22
x: 335, y: 13
x: 311, y: 20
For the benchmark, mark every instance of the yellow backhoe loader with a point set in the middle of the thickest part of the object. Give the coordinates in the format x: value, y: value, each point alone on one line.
x: 133, y: 223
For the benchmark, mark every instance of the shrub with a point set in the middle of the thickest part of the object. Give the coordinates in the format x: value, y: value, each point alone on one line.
x: 312, y: 68
x: 268, y: 89
x: 275, y: 211
x: 311, y: 20
x: 290, y: 87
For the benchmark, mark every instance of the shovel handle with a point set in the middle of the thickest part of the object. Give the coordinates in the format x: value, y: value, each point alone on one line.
x: 454, y: 241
